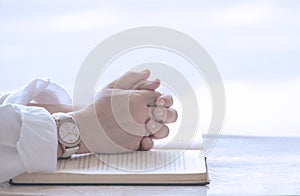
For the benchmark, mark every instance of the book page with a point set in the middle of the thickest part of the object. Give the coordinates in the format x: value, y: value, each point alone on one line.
x: 154, y: 161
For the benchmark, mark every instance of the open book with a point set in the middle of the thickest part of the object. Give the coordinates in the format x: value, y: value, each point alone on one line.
x: 157, y: 166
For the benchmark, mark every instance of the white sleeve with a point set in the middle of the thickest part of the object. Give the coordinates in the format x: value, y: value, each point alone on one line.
x: 28, y: 135
x: 28, y: 140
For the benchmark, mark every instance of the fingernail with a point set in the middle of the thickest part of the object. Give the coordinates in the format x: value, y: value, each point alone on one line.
x: 146, y: 71
x: 160, y: 112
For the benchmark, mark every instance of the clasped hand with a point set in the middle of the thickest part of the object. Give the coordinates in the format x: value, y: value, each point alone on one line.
x: 126, y: 115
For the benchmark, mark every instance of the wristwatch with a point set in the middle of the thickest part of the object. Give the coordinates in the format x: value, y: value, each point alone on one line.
x: 68, y: 133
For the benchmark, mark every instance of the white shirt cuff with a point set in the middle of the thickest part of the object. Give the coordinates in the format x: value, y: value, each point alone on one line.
x: 37, y: 144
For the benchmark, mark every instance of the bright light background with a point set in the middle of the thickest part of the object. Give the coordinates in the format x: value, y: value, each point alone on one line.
x: 255, y: 44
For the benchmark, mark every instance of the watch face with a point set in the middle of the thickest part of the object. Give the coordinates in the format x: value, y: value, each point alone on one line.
x: 69, y: 133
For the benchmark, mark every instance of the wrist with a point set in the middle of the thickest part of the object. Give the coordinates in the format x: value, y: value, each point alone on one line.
x: 82, y: 146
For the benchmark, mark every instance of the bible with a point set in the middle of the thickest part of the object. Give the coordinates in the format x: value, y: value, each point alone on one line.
x: 154, y: 167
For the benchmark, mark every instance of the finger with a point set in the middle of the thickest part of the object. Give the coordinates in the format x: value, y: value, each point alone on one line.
x: 164, y: 101
x: 165, y: 115
x: 150, y: 96
x: 146, y: 143
x: 130, y: 79
x: 153, y: 126
x: 157, y: 129
x: 148, y: 85
x: 162, y: 133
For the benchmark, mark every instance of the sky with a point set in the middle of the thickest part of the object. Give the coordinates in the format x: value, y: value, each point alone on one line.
x: 255, y: 45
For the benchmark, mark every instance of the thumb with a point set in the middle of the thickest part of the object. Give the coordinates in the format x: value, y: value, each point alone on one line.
x: 130, y: 80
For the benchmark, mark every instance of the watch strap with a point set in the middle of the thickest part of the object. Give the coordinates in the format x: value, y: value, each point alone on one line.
x: 68, y: 152
x: 59, y: 119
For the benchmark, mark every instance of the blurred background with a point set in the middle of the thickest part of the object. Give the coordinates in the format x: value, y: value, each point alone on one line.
x: 255, y: 45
